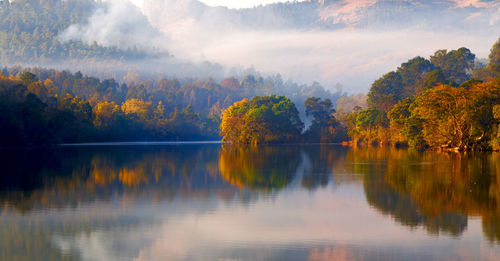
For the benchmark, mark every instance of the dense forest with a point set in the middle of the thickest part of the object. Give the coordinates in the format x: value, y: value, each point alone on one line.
x: 449, y: 101
x: 42, y: 106
x: 29, y: 31
x: 123, y: 102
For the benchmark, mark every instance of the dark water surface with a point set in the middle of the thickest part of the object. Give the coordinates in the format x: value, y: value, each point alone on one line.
x: 210, y: 202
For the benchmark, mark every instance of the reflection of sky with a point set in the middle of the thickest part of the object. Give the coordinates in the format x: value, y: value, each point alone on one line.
x: 332, y: 223
x: 201, y: 219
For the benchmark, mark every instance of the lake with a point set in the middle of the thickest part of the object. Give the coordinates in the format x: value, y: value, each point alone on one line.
x: 217, y: 202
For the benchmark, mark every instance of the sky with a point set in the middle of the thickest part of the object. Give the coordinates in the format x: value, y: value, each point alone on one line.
x: 228, y: 3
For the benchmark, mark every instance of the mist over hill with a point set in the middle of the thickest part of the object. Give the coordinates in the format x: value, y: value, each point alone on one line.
x: 329, y: 41
x: 330, y: 14
x: 345, y: 41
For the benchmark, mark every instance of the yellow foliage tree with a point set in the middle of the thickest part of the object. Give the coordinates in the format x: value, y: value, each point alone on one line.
x: 141, y: 109
x: 105, y: 114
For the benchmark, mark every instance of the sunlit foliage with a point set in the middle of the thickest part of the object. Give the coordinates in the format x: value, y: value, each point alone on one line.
x: 269, y: 119
x: 432, y: 104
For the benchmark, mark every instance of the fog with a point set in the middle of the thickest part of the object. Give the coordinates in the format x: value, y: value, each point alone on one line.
x: 118, y: 23
x: 354, y: 52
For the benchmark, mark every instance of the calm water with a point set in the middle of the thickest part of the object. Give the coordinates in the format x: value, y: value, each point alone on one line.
x: 209, y: 202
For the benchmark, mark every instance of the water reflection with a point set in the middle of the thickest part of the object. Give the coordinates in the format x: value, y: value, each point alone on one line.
x: 258, y: 168
x: 200, y: 202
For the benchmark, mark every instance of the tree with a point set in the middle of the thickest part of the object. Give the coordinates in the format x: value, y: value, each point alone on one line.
x: 494, y: 63
x: 406, y: 129
x: 27, y: 78
x: 386, y: 91
x: 266, y: 119
x: 321, y: 110
x: 106, y: 114
x: 325, y: 127
x: 137, y: 109
x: 460, y: 118
x: 230, y: 84
x: 412, y: 73
x: 405, y: 82
x: 456, y: 65
x: 369, y: 126
x: 432, y: 79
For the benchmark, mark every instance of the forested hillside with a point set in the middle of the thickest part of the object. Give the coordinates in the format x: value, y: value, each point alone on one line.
x: 46, y: 106
x: 448, y: 101
x: 29, y: 31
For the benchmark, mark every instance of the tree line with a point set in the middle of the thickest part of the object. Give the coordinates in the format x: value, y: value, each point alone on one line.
x: 46, y: 106
x: 450, y: 101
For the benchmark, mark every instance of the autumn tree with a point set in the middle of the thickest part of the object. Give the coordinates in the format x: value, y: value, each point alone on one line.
x: 459, y: 117
x: 106, y: 114
x: 137, y: 109
x: 266, y: 119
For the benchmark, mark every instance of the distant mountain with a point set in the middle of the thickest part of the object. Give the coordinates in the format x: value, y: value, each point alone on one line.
x: 330, y: 14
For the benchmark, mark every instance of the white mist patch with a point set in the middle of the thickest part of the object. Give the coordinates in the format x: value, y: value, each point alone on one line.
x: 117, y: 23
x: 354, y: 58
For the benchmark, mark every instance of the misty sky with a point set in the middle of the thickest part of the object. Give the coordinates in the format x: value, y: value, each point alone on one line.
x: 367, y: 44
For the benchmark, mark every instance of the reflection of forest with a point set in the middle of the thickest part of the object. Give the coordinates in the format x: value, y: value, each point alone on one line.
x: 67, y: 177
x: 258, y: 168
x: 441, y: 183
x: 71, y: 176
x: 434, y: 190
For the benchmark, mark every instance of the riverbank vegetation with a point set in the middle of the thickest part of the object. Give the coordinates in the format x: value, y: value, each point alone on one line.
x: 450, y: 101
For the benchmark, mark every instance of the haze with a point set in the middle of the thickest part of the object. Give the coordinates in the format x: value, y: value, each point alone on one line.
x: 347, y: 42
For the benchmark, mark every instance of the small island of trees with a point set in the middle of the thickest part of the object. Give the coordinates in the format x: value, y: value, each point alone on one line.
x: 275, y: 119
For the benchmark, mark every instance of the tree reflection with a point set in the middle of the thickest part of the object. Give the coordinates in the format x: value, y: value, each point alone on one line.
x: 374, y: 164
x: 258, y: 167
x: 436, y: 190
x: 70, y: 176
x: 321, y: 164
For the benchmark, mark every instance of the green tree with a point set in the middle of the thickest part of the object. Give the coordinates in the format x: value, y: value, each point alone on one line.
x: 324, y: 127
x: 494, y: 63
x: 265, y: 119
x: 456, y: 65
x: 386, y: 91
